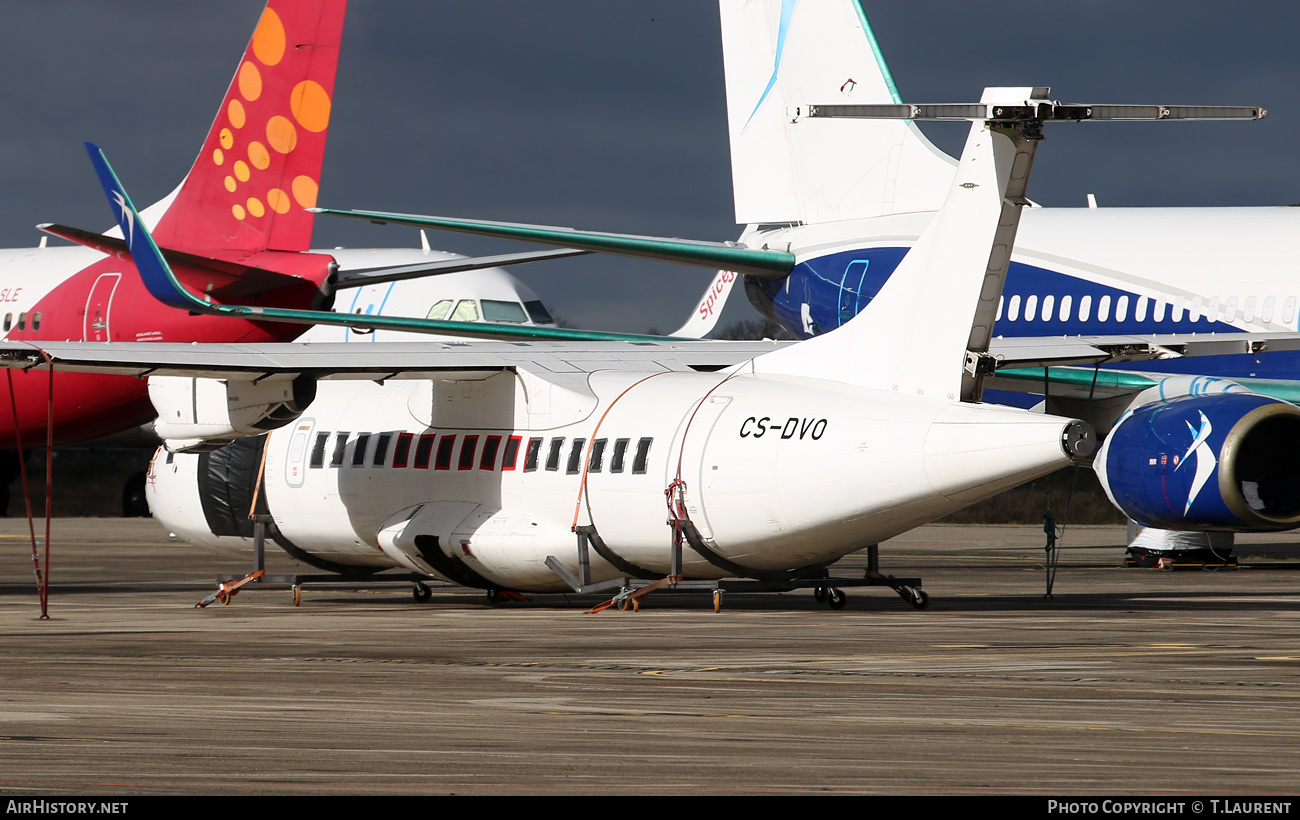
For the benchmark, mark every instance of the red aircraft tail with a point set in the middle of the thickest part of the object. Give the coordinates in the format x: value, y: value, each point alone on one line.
x: 260, y: 164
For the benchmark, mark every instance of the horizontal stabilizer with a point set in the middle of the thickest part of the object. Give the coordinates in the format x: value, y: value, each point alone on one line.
x: 221, y: 278
x: 361, y: 277
x: 764, y: 263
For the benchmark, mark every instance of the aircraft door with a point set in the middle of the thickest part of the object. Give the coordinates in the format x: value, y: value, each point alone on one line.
x: 295, y: 465
x: 96, y: 327
x: 695, y: 468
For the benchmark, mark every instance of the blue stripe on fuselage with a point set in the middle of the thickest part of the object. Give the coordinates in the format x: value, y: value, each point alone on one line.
x: 817, y: 283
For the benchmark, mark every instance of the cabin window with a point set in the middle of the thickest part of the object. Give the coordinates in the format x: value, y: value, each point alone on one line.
x: 445, y: 445
x: 318, y: 450
x: 36, y: 320
x: 495, y: 310
x: 340, y: 444
x: 1103, y: 309
x: 530, y: 458
x: 1121, y: 308
x: 9, y: 320
x: 1230, y: 309
x: 1085, y: 308
x: 1064, y: 315
x: 1140, y: 309
x: 1031, y: 308
x: 359, y: 452
x: 466, y: 311
x: 511, y: 453
x: 642, y: 456
x: 1176, y: 311
x: 1288, y: 310
x: 1267, y: 314
x: 403, y: 449
x: 575, y: 456
x: 597, y: 455
x: 423, y: 450
x: 468, y: 446
x: 1048, y: 303
x: 1212, y: 312
x: 538, y: 313
x: 490, y: 446
x: 1158, y: 310
x: 1194, y: 315
x: 22, y: 320
x: 439, y: 309
x: 553, y: 455
x: 381, y: 449
x: 1248, y: 309
x: 1013, y: 309
x: 1001, y: 303
x: 620, y: 452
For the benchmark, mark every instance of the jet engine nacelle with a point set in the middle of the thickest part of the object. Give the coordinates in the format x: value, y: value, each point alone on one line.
x: 195, y: 415
x: 1225, y: 462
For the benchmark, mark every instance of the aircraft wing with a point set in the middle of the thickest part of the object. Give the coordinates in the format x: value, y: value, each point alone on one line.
x: 378, y: 361
x: 1020, y: 360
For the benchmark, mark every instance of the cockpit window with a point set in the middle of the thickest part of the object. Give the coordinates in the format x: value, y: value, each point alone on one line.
x: 537, y: 312
x: 495, y: 310
x: 466, y: 311
x: 439, y: 309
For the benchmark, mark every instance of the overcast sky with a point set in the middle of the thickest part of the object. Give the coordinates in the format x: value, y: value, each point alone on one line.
x: 610, y: 115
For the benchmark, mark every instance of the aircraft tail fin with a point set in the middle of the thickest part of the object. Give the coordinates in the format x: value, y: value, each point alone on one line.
x: 260, y: 164
x: 954, y: 273
x: 780, y: 55
x: 707, y: 311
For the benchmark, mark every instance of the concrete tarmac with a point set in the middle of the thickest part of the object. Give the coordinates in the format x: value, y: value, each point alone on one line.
x: 1125, y: 682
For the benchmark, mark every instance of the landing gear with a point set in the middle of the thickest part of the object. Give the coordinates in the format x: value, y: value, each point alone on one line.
x: 134, y: 504
x: 422, y: 593
x: 836, y: 598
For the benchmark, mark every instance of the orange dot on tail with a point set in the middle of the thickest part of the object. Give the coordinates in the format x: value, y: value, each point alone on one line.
x: 250, y: 81
x: 278, y: 200
x: 238, y: 211
x: 241, y: 171
x: 217, y: 156
x: 310, y: 106
x: 230, y: 184
x: 305, y: 190
x: 255, y: 206
x: 281, y: 134
x: 257, y: 154
x: 268, y: 38
x: 226, y: 138
x: 236, y: 113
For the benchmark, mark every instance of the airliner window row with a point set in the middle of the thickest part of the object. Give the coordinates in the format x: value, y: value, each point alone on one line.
x: 1229, y: 310
x: 22, y: 321
x: 431, y: 449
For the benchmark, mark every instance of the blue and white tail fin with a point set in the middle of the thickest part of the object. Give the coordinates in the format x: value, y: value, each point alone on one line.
x: 781, y: 54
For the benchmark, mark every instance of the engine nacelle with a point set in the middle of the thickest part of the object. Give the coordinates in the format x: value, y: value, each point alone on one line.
x: 1227, y: 462
x: 202, y: 414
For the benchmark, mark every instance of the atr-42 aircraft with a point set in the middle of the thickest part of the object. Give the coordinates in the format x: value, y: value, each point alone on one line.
x: 546, y: 466
x: 856, y: 192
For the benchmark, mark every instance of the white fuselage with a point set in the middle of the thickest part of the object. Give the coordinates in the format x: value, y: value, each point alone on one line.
x: 781, y: 472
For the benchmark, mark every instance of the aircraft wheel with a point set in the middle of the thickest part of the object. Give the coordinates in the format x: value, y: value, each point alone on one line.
x: 836, y: 598
x: 622, y: 605
x: 717, y: 600
x: 919, y: 599
x: 134, y: 504
x: 421, y: 593
x: 493, y: 596
x: 297, y: 594
x: 225, y: 599
x: 819, y: 594
x: 636, y: 604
